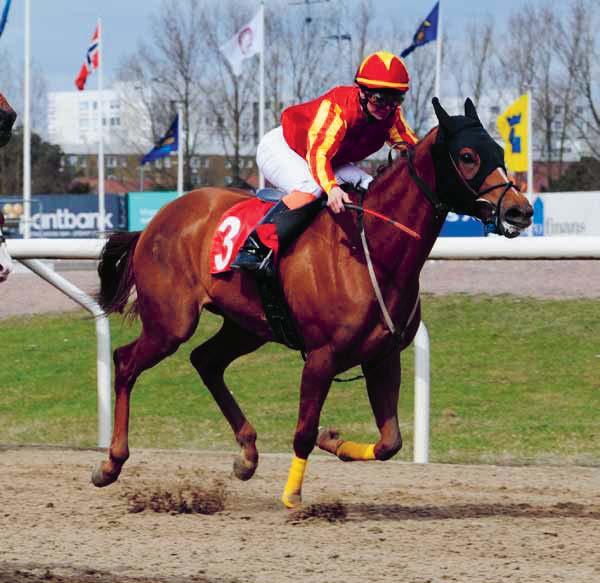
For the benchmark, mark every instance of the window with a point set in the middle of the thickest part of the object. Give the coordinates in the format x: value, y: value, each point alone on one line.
x: 557, y: 109
x: 495, y: 110
x: 167, y: 162
x: 72, y: 160
x: 112, y: 162
x: 84, y: 106
x: 158, y: 163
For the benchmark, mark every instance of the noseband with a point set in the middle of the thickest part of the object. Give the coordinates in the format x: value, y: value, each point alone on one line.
x: 494, y: 223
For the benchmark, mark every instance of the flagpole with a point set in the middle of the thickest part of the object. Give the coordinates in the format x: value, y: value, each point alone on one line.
x: 179, y: 148
x: 529, y: 146
x: 27, y: 127
x: 101, y: 211
x: 261, y: 99
x: 438, y: 53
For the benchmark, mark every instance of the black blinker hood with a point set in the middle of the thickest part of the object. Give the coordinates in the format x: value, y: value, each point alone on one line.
x: 454, y: 133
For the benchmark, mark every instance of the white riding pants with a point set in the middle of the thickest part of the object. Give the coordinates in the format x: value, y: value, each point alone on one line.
x: 286, y: 170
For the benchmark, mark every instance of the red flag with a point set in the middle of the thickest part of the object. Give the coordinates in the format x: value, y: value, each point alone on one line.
x: 92, y: 60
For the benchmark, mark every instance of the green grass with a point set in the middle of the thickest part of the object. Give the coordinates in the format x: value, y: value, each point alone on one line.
x: 512, y: 380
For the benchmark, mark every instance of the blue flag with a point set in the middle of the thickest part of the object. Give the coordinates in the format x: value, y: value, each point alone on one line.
x: 167, y: 144
x: 426, y: 32
x: 4, y: 16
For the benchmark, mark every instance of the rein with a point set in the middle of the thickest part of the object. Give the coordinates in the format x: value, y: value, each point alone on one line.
x: 372, y: 275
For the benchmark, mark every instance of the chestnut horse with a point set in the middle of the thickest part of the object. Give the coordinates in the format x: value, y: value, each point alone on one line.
x: 325, y: 278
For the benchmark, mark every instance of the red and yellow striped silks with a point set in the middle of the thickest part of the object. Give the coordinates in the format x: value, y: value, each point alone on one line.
x: 324, y: 138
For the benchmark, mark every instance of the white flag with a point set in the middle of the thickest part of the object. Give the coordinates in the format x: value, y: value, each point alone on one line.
x: 246, y: 43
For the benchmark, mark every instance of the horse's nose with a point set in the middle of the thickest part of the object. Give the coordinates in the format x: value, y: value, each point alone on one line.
x: 519, y: 215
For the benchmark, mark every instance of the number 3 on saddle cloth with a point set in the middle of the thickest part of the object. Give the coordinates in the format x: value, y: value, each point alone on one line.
x: 233, y: 230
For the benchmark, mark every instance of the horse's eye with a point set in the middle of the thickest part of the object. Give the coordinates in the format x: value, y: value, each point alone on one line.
x: 467, y: 158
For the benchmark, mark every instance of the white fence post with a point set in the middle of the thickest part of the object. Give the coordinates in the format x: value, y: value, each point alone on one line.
x: 103, y: 357
x: 422, y: 390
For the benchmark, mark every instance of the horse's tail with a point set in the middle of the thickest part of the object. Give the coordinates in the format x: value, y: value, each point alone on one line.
x: 116, y: 273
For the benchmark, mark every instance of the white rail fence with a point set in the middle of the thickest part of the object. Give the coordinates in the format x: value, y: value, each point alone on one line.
x: 30, y: 251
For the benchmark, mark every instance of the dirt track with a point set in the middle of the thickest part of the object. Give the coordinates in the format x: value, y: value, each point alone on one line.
x: 435, y: 523
x: 390, y: 522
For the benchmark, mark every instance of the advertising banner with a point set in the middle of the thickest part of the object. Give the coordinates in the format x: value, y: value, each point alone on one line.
x: 69, y: 215
x: 461, y: 226
x: 561, y: 214
x: 142, y: 206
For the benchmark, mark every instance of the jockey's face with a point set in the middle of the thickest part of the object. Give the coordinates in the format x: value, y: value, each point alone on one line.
x: 380, y: 103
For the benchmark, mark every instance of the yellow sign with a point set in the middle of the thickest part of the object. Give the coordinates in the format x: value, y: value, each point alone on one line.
x: 513, y: 126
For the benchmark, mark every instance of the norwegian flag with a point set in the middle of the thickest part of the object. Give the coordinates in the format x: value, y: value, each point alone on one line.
x: 92, y: 60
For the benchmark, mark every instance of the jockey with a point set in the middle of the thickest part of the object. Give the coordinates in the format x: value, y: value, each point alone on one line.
x: 7, y: 119
x: 317, y: 145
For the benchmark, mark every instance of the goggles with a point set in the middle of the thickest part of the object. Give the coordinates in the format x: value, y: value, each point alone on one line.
x: 390, y: 99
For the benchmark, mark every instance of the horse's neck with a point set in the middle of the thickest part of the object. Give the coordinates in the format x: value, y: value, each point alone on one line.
x: 397, y: 195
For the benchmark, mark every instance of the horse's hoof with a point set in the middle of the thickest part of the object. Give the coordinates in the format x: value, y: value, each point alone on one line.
x: 328, y: 439
x: 243, y: 469
x: 291, y: 501
x: 100, y: 479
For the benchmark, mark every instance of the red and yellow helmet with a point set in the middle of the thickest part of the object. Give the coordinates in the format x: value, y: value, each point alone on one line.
x: 383, y: 70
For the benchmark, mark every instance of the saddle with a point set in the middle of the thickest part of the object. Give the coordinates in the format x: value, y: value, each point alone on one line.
x: 235, y: 226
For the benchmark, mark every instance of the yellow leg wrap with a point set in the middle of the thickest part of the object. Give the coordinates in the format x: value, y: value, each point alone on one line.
x: 349, y: 451
x: 292, y: 493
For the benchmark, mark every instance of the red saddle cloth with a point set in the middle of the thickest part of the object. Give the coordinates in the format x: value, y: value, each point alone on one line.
x: 233, y: 229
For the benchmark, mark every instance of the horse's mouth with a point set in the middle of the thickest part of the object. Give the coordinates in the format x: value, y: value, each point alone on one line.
x: 514, y: 224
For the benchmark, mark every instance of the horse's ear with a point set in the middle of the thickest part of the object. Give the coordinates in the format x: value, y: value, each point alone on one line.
x: 440, y: 113
x: 470, y: 110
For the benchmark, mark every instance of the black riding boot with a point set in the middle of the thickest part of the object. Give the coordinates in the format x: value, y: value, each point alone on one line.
x: 289, y: 223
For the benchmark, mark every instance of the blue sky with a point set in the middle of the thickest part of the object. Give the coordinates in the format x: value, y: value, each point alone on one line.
x: 61, y: 29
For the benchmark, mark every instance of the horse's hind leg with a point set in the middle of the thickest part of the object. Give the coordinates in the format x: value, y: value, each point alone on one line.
x: 210, y: 360
x: 130, y: 361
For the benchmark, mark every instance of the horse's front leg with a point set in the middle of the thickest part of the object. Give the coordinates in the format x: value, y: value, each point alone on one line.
x: 317, y: 375
x: 383, y: 386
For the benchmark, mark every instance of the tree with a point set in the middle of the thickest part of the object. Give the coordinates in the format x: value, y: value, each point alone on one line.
x: 167, y: 70
x: 578, y: 48
x: 49, y: 174
x: 471, y: 63
x: 582, y: 175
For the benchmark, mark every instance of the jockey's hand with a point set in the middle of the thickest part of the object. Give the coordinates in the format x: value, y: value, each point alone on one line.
x: 336, y: 199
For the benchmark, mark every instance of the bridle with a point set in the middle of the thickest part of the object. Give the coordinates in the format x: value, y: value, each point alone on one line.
x: 493, y: 224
